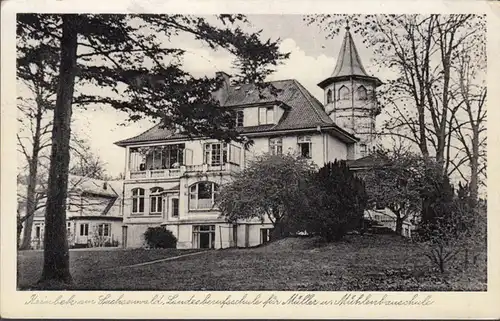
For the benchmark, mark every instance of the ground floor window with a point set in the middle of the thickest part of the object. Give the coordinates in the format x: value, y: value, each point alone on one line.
x: 38, y: 231
x: 175, y: 207
x: 305, y: 146
x: 265, y: 235
x: 204, y: 236
x: 84, y: 229
x: 104, y: 229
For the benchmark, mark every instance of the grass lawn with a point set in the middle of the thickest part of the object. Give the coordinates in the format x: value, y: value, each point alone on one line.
x: 366, y: 263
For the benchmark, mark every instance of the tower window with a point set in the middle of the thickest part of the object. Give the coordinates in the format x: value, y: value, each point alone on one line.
x: 329, y: 96
x: 361, y: 93
x: 344, y: 93
x: 363, y: 150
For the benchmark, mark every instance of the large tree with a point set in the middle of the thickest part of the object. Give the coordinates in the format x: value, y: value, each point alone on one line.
x: 394, y: 183
x: 269, y: 188
x: 423, y: 54
x: 124, y: 55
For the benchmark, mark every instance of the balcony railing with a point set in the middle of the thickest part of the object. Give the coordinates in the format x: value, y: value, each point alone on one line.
x: 183, y: 170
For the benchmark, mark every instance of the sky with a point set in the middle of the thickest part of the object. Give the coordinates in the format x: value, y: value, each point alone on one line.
x: 312, y: 59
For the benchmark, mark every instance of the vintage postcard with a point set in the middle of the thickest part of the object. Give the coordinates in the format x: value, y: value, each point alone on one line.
x: 259, y: 159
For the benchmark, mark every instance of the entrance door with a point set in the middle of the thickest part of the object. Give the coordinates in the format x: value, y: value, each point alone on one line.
x: 204, y: 236
x: 83, y: 233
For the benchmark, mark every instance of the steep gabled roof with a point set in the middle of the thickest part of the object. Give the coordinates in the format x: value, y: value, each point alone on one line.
x: 302, y: 111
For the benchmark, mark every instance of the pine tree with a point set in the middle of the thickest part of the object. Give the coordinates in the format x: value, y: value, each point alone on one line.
x: 120, y: 53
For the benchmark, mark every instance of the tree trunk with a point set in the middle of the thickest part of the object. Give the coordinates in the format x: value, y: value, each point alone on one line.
x: 56, y: 254
x: 474, y: 166
x: 399, y: 224
x: 32, y: 181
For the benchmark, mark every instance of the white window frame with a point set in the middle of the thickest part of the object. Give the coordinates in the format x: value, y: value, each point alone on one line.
x: 194, y: 196
x: 276, y: 146
x: 239, y: 118
x: 214, y: 156
x: 305, y: 140
x: 155, y: 193
x: 84, y: 229
x: 197, y: 232
x: 266, y: 115
x: 172, y: 212
x: 101, y: 230
x: 137, y: 199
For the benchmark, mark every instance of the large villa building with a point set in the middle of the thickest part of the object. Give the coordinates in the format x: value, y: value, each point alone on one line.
x: 172, y: 181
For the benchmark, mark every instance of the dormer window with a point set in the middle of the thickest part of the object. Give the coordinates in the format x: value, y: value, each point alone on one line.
x: 266, y: 115
x: 344, y: 93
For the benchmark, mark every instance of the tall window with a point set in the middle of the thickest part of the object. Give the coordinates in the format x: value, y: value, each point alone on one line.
x: 266, y: 115
x: 202, y: 195
x: 239, y: 116
x: 104, y: 229
x: 344, y: 93
x: 329, y: 96
x: 38, y: 231
x: 84, y: 229
x: 361, y: 93
x: 155, y: 201
x: 305, y: 146
x: 138, y: 201
x: 175, y: 207
x: 215, y: 154
x: 276, y: 146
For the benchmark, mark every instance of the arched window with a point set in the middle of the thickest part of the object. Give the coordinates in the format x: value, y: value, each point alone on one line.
x: 138, y: 201
x: 155, y: 201
x: 344, y: 93
x: 329, y: 96
x: 202, y: 195
x: 361, y: 93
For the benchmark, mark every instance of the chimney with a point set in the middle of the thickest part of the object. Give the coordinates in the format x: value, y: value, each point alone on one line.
x: 105, y: 186
x: 222, y: 93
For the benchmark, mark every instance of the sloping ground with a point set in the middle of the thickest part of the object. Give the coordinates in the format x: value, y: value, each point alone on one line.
x: 359, y: 263
x: 85, y: 263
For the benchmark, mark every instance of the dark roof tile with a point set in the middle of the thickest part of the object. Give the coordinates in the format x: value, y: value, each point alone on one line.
x: 305, y: 111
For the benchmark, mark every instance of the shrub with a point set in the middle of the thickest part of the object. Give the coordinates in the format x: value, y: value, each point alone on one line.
x: 336, y: 200
x: 159, y: 237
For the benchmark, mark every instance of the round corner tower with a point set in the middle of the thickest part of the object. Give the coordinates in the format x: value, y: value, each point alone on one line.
x: 349, y: 96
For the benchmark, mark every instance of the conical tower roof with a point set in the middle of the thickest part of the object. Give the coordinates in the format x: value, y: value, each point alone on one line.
x: 348, y: 63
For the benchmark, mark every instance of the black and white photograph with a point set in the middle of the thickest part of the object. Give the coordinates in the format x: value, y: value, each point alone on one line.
x: 251, y: 152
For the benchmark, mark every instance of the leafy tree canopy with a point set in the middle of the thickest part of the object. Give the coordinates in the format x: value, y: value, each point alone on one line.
x: 139, y: 74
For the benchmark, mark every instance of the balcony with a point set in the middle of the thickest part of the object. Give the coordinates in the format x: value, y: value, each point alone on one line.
x: 184, y: 170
